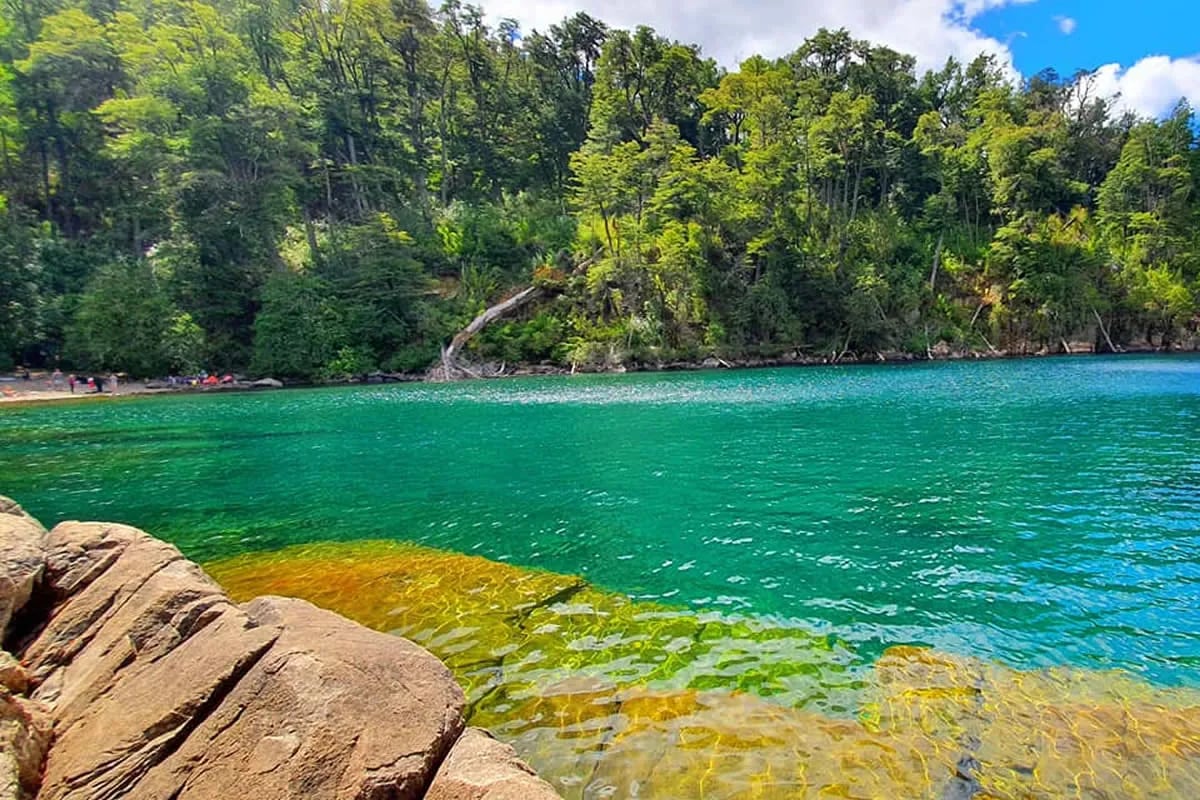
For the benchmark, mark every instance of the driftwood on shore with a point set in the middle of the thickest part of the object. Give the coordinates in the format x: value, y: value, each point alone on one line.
x: 1112, y: 347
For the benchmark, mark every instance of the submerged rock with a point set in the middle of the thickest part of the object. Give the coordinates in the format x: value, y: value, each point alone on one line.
x: 611, y: 697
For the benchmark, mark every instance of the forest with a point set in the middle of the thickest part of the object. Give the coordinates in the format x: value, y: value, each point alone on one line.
x: 315, y: 190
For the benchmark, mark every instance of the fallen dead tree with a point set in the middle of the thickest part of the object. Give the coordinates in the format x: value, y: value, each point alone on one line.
x: 452, y: 367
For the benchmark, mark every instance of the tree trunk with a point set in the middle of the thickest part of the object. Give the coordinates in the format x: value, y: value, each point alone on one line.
x: 45, y: 164
x: 328, y: 192
x: 857, y: 187
x: 310, y: 233
x: 937, y: 262
x: 1111, y: 347
x: 4, y: 154
x: 450, y: 368
x: 352, y: 151
x: 607, y: 230
x: 443, y: 135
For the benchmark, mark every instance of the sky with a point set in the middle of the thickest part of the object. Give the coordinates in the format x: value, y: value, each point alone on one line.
x: 1147, y: 52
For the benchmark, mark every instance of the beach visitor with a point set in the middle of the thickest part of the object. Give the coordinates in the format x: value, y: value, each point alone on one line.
x: 56, y: 378
x: 71, y: 381
x: 91, y: 384
x: 112, y: 384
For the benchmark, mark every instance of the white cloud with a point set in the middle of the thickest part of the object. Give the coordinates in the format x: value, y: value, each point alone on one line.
x: 1152, y: 86
x: 931, y: 30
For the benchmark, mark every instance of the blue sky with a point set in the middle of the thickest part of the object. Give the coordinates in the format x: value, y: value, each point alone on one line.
x: 1104, y: 31
x: 1148, y: 50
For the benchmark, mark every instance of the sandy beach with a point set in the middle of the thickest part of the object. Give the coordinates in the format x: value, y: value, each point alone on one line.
x: 40, y: 388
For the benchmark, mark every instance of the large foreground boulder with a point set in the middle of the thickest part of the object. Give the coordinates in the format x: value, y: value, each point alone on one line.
x: 147, y: 711
x: 120, y: 601
x: 331, y: 710
x: 152, y: 684
x: 22, y: 561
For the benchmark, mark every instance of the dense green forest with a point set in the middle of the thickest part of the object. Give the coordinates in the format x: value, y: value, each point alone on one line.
x: 319, y: 189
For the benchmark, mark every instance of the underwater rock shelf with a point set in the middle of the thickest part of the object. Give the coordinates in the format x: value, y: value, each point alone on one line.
x: 134, y: 675
x: 608, y: 697
x: 128, y: 673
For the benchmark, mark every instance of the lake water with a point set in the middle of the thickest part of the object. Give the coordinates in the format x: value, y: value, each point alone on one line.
x: 841, y: 546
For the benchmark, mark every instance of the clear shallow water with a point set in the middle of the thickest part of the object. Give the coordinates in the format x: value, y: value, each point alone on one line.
x: 1038, y: 513
x: 942, y: 581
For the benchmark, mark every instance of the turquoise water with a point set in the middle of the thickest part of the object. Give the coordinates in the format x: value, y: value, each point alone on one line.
x: 1037, y: 512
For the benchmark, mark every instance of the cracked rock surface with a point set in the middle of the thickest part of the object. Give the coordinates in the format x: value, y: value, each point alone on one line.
x: 132, y: 675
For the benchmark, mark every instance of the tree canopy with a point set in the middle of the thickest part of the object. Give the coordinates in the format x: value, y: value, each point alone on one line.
x: 316, y: 189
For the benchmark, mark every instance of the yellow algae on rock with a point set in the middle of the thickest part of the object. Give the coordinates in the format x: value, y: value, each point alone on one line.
x: 465, y: 609
x: 1046, y: 733
x: 564, y: 728
x: 722, y: 744
x: 497, y: 625
x: 362, y: 577
x: 609, y: 698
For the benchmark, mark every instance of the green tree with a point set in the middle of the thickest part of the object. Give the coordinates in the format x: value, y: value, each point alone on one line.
x: 122, y: 322
x: 299, y: 330
x: 320, y: 188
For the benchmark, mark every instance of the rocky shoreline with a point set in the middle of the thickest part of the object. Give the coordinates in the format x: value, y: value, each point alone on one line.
x: 128, y: 673
x: 35, y: 393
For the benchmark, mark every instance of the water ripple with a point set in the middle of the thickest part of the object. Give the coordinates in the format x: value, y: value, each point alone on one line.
x: 1038, y: 512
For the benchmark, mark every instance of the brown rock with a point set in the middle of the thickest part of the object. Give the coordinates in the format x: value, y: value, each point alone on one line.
x: 334, y: 710
x: 481, y: 768
x: 13, y: 676
x: 25, y: 730
x: 104, y: 749
x: 159, y: 687
x: 92, y: 569
x: 10, y: 506
x: 174, y: 603
x: 79, y: 552
x: 22, y: 561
